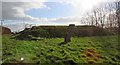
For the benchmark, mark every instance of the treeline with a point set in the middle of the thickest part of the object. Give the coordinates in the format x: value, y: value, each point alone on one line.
x: 105, y: 15
x: 60, y: 31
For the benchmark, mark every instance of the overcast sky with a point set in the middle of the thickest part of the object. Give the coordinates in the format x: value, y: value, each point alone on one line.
x: 46, y: 12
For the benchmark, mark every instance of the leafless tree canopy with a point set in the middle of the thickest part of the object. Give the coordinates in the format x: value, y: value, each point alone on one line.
x: 105, y: 15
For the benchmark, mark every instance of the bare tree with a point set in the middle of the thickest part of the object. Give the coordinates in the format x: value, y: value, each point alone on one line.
x: 95, y: 17
x: 102, y: 15
x: 118, y: 15
x: 98, y: 16
x: 111, y: 20
x: 89, y: 19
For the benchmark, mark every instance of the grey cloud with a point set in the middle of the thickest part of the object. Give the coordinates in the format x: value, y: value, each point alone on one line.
x: 16, y: 10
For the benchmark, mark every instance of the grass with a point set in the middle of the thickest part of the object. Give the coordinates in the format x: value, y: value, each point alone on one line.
x: 102, y: 49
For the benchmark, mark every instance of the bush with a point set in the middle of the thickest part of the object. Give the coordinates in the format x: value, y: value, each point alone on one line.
x: 101, y: 32
x: 39, y: 33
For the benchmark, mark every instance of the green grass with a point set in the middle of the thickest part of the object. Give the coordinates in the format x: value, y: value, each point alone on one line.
x: 49, y: 51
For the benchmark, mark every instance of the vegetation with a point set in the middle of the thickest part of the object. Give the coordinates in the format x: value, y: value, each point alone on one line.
x: 32, y: 34
x: 96, y: 42
x: 60, y: 31
x: 101, y: 49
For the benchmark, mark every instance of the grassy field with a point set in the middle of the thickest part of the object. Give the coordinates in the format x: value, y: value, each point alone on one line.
x: 102, y: 49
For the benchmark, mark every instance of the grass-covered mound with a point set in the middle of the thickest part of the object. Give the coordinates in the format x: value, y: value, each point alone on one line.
x: 60, y: 31
x: 102, y: 49
x: 32, y: 34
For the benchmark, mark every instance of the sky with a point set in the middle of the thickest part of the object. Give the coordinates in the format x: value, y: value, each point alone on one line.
x: 45, y: 12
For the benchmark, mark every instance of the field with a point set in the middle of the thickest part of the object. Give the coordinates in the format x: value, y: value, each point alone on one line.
x: 101, y: 49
